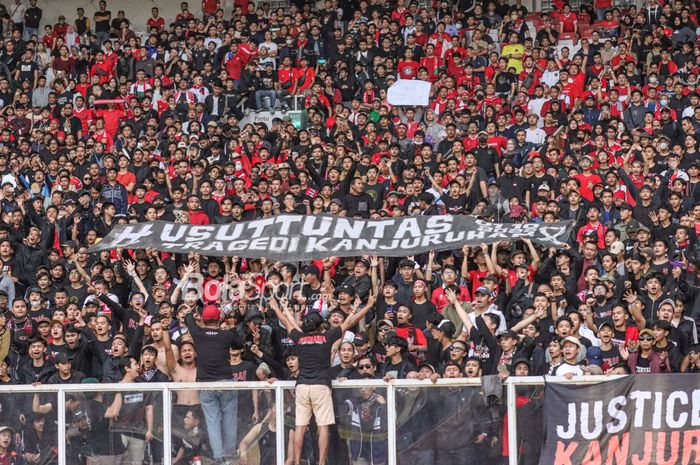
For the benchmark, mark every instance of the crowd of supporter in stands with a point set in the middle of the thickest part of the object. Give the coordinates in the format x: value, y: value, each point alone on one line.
x: 589, y: 114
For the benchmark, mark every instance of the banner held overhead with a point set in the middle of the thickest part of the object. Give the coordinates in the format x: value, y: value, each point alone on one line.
x: 309, y: 237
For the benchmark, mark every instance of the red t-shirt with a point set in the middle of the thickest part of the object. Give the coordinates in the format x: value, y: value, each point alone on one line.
x: 476, y: 277
x: 408, y: 69
x: 587, y: 183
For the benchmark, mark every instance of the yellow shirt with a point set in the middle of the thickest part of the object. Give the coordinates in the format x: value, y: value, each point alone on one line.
x: 516, y: 49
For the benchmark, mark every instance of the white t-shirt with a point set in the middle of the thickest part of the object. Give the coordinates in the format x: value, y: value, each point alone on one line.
x: 565, y: 368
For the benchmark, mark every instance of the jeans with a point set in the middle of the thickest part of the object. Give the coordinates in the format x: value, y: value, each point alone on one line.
x: 221, y: 414
x: 102, y: 37
x: 29, y: 31
x: 600, y: 13
x: 261, y: 94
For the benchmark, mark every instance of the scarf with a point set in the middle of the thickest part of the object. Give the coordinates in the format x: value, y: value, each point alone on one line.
x: 366, y: 408
x: 148, y: 375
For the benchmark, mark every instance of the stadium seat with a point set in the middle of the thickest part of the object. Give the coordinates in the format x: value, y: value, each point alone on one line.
x: 567, y: 38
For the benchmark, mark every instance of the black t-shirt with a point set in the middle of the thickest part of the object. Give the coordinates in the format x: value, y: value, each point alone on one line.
x: 643, y: 365
x: 133, y: 411
x: 611, y: 357
x: 244, y: 371
x: 355, y: 204
x: 486, y: 158
x: 215, y: 343
x: 618, y: 338
x: 455, y: 206
x: 77, y: 296
x: 102, y: 26
x: 536, y: 182
x: 504, y: 82
x: 377, y: 192
x: 314, y: 352
x: 267, y: 80
x: 421, y: 312
x: 399, y: 370
x: 26, y: 70
x: 512, y: 186
x: 99, y: 438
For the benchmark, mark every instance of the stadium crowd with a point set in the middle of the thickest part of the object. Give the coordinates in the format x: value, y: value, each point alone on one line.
x: 590, y: 115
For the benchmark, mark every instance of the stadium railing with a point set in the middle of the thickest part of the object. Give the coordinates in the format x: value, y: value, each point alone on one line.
x: 393, y: 393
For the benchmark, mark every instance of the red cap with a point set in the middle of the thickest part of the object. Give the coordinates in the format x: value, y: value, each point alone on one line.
x: 211, y: 313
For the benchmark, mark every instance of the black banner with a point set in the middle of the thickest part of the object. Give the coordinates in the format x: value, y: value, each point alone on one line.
x: 301, y: 237
x: 636, y: 420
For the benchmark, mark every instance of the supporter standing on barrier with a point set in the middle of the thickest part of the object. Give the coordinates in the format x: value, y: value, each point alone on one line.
x: 313, y: 391
x: 220, y: 407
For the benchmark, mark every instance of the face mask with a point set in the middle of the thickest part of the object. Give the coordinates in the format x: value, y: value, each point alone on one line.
x: 290, y: 41
x: 239, y: 166
x: 663, y: 102
x: 663, y: 146
x: 35, y: 303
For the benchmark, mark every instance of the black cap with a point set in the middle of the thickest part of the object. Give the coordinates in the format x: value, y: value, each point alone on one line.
x: 360, y: 338
x: 447, y: 328
x: 62, y: 357
x: 345, y: 288
x: 508, y: 333
x: 311, y: 269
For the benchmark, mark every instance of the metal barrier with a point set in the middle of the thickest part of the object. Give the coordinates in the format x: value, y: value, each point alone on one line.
x: 392, y: 388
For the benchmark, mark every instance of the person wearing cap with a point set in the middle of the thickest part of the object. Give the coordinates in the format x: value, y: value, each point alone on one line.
x: 642, y: 358
x: 8, y: 454
x: 361, y: 343
x: 573, y: 352
x: 253, y: 331
x: 312, y: 278
x: 385, y: 328
x: 396, y: 364
x: 587, y: 178
x: 220, y: 407
x: 508, y: 340
x: 442, y: 331
x: 482, y: 324
x: 65, y: 372
x: 313, y: 391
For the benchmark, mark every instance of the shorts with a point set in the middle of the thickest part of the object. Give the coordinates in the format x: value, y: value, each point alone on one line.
x: 316, y: 400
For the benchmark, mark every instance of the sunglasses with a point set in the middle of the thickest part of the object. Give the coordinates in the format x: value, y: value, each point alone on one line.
x: 384, y: 329
x: 457, y: 349
x: 364, y: 367
x: 646, y: 338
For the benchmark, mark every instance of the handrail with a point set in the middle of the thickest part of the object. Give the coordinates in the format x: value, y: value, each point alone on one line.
x: 278, y: 387
x: 354, y: 383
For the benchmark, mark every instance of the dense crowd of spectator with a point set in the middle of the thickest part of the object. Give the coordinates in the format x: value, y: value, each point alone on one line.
x: 590, y: 115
